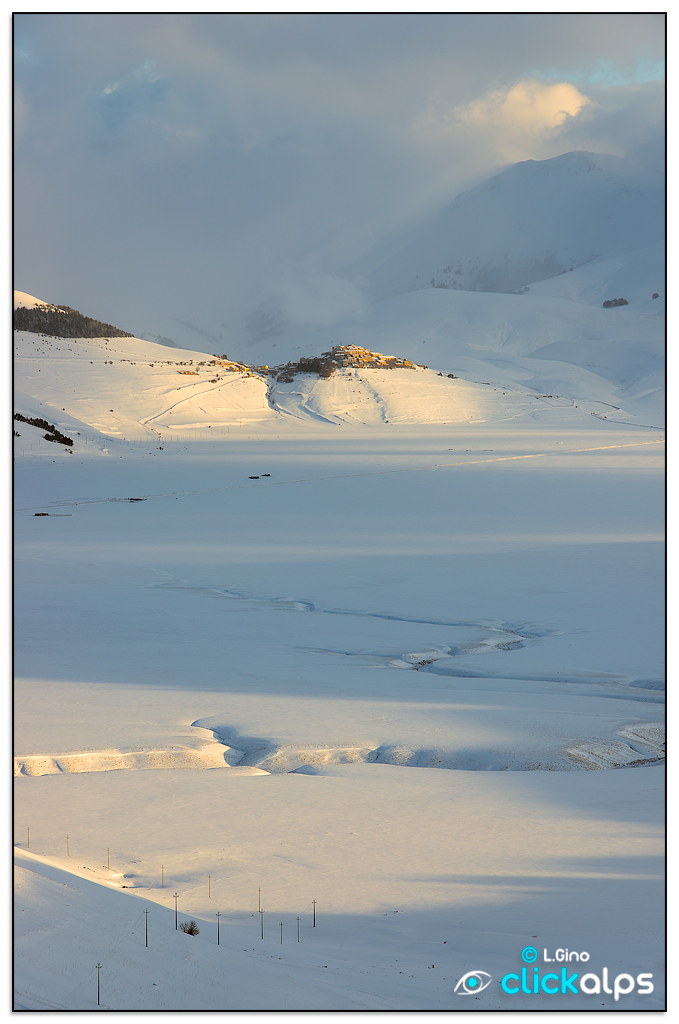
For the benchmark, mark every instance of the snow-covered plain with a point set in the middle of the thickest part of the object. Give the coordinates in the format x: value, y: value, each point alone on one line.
x: 391, y: 642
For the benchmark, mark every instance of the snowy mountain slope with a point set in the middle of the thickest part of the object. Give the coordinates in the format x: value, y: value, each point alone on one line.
x: 510, y: 352
x: 372, y: 397
x: 124, y: 395
x: 598, y: 354
x: 532, y: 221
x: 119, y: 387
x: 127, y: 387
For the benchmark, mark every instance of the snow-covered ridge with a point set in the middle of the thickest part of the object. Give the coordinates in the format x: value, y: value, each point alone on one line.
x: 131, y: 393
x: 495, y: 358
x: 22, y: 300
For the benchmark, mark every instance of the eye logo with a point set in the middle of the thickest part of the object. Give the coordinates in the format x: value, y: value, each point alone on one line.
x: 473, y: 982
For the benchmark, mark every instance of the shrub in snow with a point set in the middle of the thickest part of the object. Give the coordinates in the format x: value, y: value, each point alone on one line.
x: 609, y: 303
x: 655, y: 295
x: 190, y: 927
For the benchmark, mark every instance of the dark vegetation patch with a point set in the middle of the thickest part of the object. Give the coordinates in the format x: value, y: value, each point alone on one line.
x: 63, y: 322
x: 54, y: 433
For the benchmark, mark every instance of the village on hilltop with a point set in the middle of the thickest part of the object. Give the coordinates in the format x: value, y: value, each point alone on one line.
x: 339, y: 357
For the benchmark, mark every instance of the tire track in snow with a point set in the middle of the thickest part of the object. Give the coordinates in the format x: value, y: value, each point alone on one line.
x: 191, y: 398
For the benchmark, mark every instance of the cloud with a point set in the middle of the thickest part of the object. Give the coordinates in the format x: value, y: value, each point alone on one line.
x: 627, y: 121
x: 529, y: 107
x: 311, y: 296
x: 514, y: 123
x: 186, y: 165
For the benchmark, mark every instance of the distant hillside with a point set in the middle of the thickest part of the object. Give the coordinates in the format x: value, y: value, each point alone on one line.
x: 62, y: 322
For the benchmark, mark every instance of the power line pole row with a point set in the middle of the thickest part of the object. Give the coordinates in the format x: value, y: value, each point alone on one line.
x: 176, y: 899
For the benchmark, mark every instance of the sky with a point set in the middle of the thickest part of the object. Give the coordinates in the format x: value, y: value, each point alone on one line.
x: 188, y: 176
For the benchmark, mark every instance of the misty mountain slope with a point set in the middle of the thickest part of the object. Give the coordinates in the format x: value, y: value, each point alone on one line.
x: 531, y: 222
x: 635, y: 276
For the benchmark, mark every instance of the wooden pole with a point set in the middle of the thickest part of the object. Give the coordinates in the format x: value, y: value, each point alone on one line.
x: 176, y: 897
x: 298, y: 929
x: 208, y: 888
x: 98, y: 969
x: 68, y: 852
x: 218, y: 917
x: 162, y: 876
x: 147, y: 912
x: 314, y: 903
x: 261, y: 919
x: 28, y: 838
x: 281, y: 933
x: 108, y: 859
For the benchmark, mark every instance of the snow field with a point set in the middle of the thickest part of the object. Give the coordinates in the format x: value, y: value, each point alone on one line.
x: 419, y: 665
x: 410, y: 870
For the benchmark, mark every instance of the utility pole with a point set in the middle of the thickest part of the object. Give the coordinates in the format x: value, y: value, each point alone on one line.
x: 162, y: 876
x: 314, y: 903
x: 261, y: 919
x: 28, y: 838
x: 108, y: 859
x: 98, y: 969
x: 218, y: 917
x: 208, y: 887
x: 281, y: 933
x: 298, y: 929
x: 176, y: 897
x: 68, y: 852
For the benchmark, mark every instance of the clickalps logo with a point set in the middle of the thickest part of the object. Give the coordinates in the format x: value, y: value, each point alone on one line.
x: 562, y: 980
